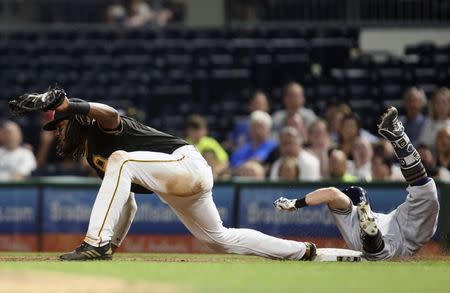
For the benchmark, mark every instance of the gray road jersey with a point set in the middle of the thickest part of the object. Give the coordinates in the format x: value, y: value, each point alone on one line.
x: 405, y: 229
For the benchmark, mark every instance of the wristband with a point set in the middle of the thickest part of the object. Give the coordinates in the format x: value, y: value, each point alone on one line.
x: 79, y: 108
x: 300, y: 203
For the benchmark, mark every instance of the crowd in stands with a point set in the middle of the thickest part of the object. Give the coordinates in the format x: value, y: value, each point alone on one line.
x: 143, y: 12
x: 290, y: 144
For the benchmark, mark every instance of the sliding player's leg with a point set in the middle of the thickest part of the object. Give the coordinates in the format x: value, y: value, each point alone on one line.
x: 370, y: 235
x: 418, y: 215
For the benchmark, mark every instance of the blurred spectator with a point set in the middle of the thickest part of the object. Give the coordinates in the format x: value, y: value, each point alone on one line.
x: 381, y: 168
x: 296, y: 121
x: 348, y: 133
x: 443, y: 148
x: 334, y: 113
x: 46, y: 142
x: 49, y: 163
x: 338, y: 166
x: 65, y: 167
x: 16, y: 161
x: 291, y: 146
x: 141, y: 13
x: 429, y: 162
x: 289, y: 169
x: 196, y: 132
x: 439, y: 116
x: 261, y: 144
x: 214, y: 163
x: 116, y: 13
x: 294, y: 102
x: 385, y: 149
x: 319, y: 144
x: 177, y: 8
x: 241, y: 131
x: 414, y: 101
x: 350, y: 130
x: 251, y: 170
x: 361, y: 165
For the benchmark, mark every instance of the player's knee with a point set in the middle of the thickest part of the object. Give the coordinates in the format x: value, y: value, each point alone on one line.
x: 118, y: 157
x: 133, y: 207
x: 219, y: 242
x: 430, y: 201
x: 433, y: 204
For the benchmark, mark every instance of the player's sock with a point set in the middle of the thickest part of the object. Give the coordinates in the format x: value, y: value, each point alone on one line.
x: 421, y: 182
x: 410, y: 163
x: 372, y: 244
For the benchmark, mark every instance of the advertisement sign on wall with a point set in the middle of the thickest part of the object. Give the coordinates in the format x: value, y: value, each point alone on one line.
x: 19, y: 218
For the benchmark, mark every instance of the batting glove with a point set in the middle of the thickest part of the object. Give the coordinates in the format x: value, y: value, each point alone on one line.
x: 285, y: 204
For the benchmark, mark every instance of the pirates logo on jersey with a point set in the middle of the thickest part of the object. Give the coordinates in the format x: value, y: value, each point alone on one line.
x: 99, y: 162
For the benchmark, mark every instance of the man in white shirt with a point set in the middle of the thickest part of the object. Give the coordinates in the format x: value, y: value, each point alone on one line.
x: 294, y: 101
x: 16, y: 161
x: 291, y: 146
x: 361, y: 165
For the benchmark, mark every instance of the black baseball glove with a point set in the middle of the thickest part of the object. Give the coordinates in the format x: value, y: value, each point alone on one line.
x: 28, y: 103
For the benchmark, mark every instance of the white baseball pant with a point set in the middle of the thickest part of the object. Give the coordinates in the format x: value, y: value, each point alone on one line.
x: 184, y: 180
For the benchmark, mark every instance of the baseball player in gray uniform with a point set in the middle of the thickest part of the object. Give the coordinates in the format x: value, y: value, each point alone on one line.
x: 382, y: 236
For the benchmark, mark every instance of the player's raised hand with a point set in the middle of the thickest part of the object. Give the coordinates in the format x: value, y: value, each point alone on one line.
x: 285, y: 204
x: 63, y: 106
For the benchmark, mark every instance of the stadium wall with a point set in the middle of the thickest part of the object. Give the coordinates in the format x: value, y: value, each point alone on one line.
x: 395, y: 39
x: 53, y: 215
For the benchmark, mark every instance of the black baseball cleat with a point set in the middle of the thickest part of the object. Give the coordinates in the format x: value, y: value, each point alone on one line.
x: 311, y: 252
x: 390, y: 127
x: 88, y: 252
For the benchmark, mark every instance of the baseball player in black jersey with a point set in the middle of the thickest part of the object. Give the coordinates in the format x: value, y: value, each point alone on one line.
x: 132, y: 157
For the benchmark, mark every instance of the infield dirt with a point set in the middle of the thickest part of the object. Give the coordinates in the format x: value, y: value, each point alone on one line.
x: 40, y: 282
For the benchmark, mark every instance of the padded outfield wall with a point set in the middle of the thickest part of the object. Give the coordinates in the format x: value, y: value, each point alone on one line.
x: 53, y: 215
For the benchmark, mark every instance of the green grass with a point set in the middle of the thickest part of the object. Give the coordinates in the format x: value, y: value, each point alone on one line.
x: 225, y: 273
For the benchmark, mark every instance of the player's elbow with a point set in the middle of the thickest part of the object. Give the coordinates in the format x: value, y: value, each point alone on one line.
x: 107, y: 117
x: 114, y: 115
x: 336, y: 199
x: 113, y: 118
x: 333, y: 193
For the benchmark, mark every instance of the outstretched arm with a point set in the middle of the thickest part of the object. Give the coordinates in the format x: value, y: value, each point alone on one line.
x: 331, y: 196
x: 107, y: 117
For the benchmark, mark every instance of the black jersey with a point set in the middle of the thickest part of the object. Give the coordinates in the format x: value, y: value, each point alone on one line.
x: 132, y: 136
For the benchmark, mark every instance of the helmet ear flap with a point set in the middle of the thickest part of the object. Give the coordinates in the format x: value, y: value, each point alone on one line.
x: 357, y: 194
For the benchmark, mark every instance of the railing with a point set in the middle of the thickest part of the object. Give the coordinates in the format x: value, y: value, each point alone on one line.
x: 353, y: 12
